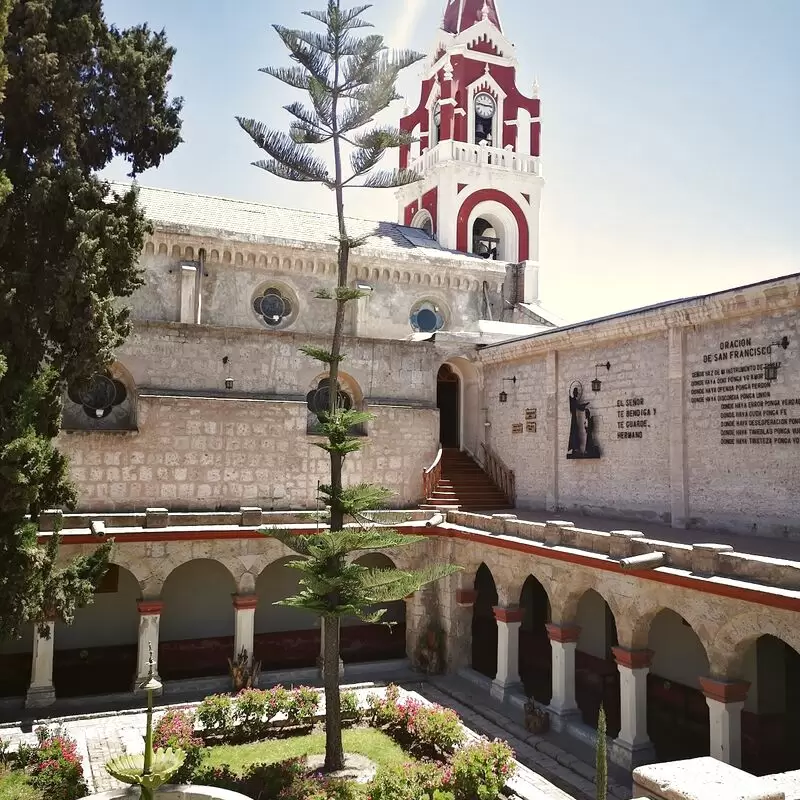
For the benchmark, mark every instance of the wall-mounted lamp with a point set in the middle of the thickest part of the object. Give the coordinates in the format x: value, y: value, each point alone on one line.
x: 771, y: 369
x: 597, y: 384
x: 503, y: 395
x: 228, y: 380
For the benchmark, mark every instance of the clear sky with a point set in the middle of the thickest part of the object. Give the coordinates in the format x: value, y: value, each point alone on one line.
x: 670, y: 131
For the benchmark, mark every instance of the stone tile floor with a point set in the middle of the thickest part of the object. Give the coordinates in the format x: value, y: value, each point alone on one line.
x: 548, y: 770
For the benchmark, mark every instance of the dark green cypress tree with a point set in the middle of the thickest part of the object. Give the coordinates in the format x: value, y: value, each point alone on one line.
x: 79, y: 93
x: 5, y: 8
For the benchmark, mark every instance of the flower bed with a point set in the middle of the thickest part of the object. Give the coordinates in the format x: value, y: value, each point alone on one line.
x: 448, y: 767
x: 52, y: 766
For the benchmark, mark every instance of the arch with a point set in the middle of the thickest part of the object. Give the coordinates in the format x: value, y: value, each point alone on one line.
x: 239, y: 259
x: 484, y: 624
x: 263, y: 261
x: 162, y: 249
x: 213, y: 256
x: 677, y: 712
x: 149, y: 249
x: 285, y: 637
x: 370, y: 642
x: 771, y: 714
x: 96, y: 654
x: 197, y: 621
x: 176, y: 251
x: 596, y: 673
x: 251, y: 258
x: 226, y: 256
x: 470, y: 426
x: 188, y: 253
x: 424, y: 221
x: 504, y: 212
x: 535, y: 655
x: 449, y: 403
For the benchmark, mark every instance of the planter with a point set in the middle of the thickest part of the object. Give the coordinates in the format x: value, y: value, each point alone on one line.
x: 536, y: 720
x: 171, y: 793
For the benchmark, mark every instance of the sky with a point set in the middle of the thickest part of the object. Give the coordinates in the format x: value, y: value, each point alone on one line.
x: 670, y: 131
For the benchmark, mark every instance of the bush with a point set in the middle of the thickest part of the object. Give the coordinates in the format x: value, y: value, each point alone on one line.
x: 176, y: 729
x: 434, y: 730
x: 55, y: 766
x: 420, y: 781
x: 302, y: 705
x: 258, y: 780
x: 254, y: 708
x: 479, y: 771
x: 350, y: 708
x: 382, y: 711
x: 216, y: 715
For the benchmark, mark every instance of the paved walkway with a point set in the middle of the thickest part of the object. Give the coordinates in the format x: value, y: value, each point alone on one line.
x: 548, y: 770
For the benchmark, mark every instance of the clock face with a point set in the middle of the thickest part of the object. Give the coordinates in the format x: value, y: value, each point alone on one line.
x: 484, y: 105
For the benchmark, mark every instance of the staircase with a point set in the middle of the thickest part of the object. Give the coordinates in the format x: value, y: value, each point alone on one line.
x: 463, y: 484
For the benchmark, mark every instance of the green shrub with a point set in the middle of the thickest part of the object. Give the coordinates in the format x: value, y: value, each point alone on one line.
x: 176, y: 730
x: 350, y: 708
x: 255, y: 708
x: 302, y: 705
x: 382, y: 711
x: 216, y: 715
x: 479, y: 771
x: 434, y: 730
x: 413, y: 781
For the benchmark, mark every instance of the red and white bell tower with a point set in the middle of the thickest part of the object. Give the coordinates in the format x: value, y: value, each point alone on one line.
x: 478, y: 148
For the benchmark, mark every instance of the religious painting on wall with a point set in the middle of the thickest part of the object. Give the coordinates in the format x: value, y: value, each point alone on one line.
x: 582, y: 426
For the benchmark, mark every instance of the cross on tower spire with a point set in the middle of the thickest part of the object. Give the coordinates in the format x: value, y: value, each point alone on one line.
x: 459, y: 15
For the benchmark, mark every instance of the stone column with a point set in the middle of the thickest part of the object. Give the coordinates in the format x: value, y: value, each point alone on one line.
x: 149, y: 623
x: 563, y: 641
x: 725, y: 702
x: 507, y: 679
x: 633, y: 740
x: 244, y: 624
x: 41, y: 691
x: 459, y: 645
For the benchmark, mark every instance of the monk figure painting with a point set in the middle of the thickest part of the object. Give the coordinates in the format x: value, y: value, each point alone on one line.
x: 582, y: 438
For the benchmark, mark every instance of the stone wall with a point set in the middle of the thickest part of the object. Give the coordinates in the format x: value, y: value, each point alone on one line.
x: 688, y: 428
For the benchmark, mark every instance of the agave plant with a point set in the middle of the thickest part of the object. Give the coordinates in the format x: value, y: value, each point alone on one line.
x: 130, y: 769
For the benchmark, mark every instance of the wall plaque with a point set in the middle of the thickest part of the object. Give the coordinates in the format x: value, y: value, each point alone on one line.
x: 517, y: 427
x: 530, y: 427
x: 530, y: 414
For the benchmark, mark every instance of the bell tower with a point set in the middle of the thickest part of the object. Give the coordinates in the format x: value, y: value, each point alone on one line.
x: 478, y: 142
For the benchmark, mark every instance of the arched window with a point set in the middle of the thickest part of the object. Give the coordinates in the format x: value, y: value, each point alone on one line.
x: 485, y: 112
x: 424, y: 221
x: 318, y: 401
x: 485, y: 239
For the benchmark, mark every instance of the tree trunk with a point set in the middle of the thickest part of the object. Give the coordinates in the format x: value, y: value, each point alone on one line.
x: 334, y: 749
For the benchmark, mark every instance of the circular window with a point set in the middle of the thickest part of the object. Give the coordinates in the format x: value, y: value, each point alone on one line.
x: 427, y: 317
x: 274, y: 306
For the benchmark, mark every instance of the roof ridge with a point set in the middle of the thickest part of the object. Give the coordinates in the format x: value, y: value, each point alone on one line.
x: 251, y: 203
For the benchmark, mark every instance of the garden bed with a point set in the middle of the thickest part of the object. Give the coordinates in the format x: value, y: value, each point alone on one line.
x: 257, y: 743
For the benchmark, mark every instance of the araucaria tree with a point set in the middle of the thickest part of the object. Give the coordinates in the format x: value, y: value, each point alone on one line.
x: 349, y: 80
x: 79, y: 94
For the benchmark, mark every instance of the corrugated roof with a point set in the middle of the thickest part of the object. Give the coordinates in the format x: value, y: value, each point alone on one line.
x: 238, y: 218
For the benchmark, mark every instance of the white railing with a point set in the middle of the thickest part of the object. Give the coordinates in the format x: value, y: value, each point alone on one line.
x: 478, y: 154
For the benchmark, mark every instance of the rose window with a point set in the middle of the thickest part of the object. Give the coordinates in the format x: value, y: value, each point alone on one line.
x: 273, y: 306
x: 99, y: 397
x: 427, y: 317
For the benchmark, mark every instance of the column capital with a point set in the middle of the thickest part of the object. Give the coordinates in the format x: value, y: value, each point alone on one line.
x: 466, y: 597
x: 724, y: 691
x: 149, y: 607
x: 507, y: 614
x: 632, y: 659
x: 242, y: 601
x: 563, y: 633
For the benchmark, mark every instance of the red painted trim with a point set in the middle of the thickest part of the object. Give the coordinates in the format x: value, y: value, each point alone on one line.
x: 724, y: 691
x: 466, y: 597
x: 563, y: 633
x: 150, y: 607
x: 510, y: 614
x: 632, y: 659
x: 750, y: 595
x: 484, y: 195
x: 242, y: 601
x: 461, y: 187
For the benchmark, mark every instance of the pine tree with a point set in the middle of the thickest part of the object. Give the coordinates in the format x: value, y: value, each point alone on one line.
x: 79, y: 94
x: 601, y: 758
x: 349, y: 80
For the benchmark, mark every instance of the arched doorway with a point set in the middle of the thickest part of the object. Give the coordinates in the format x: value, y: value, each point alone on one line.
x: 361, y: 642
x: 677, y: 712
x: 771, y: 714
x: 285, y: 637
x: 97, y: 653
x: 448, y: 401
x: 535, y: 655
x: 196, y: 633
x: 485, y: 239
x: 596, y: 672
x: 484, y: 624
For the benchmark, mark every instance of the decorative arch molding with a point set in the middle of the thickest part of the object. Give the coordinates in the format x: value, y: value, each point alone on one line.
x: 423, y: 220
x: 634, y: 629
x: 489, y: 202
x: 733, y: 640
x: 564, y: 601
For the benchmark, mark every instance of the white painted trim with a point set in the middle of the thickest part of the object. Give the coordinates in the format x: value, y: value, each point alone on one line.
x: 507, y: 229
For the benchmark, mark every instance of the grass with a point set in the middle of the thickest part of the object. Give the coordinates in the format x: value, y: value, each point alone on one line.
x: 373, y: 744
x: 14, y: 786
